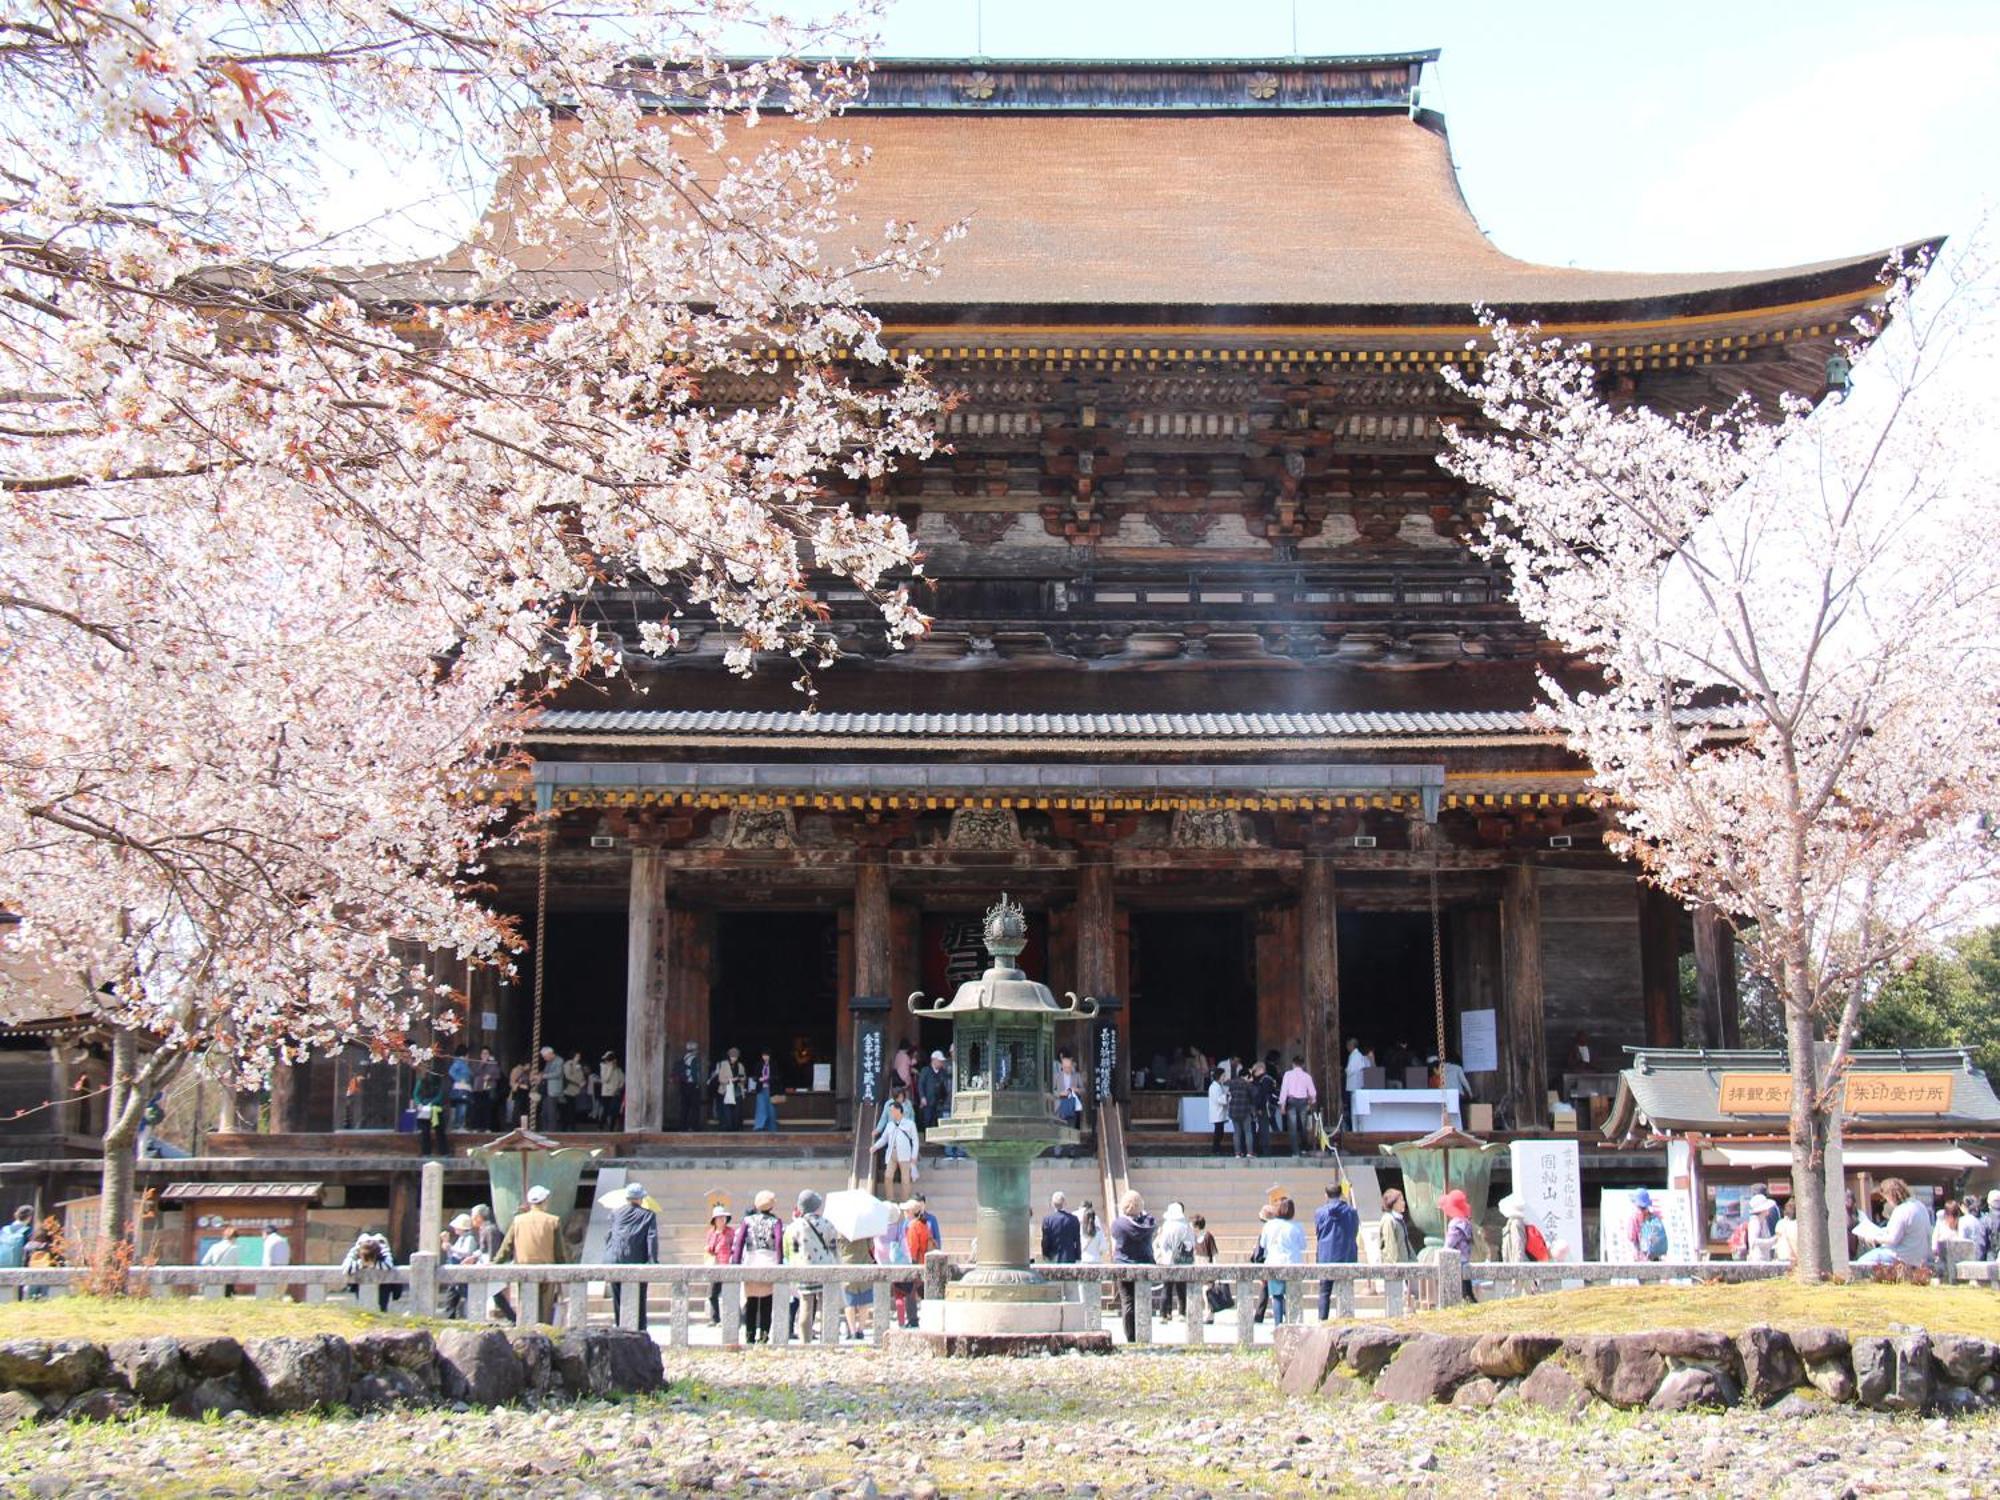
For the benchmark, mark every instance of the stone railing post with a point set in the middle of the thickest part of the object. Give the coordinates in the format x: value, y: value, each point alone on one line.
x: 1451, y: 1278
x: 937, y: 1274
x: 424, y: 1283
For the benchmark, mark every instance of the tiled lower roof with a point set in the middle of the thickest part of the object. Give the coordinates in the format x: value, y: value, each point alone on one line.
x: 562, y: 723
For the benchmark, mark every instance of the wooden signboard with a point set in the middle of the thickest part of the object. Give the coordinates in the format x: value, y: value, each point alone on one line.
x: 1754, y: 1093
x: 1866, y: 1093
x: 1898, y: 1093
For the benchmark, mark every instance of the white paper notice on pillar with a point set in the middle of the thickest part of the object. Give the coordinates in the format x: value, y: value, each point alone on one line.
x: 1548, y: 1176
x: 1478, y: 1041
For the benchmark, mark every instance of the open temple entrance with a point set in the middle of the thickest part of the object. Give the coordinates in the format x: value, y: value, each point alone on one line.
x: 583, y: 995
x: 776, y: 988
x: 1386, y: 996
x: 1193, y: 985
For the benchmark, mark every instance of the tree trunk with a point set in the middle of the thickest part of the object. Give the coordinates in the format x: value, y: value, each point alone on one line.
x: 1808, y: 1130
x: 123, y: 1105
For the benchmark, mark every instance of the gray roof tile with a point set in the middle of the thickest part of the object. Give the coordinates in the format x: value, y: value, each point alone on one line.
x: 561, y: 723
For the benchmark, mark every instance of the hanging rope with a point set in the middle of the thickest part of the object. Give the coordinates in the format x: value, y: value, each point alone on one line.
x: 535, y: 1084
x: 1437, y: 986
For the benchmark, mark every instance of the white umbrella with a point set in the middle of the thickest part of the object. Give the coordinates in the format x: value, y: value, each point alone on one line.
x: 856, y: 1214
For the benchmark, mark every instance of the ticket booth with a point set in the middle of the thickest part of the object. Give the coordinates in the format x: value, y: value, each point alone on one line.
x: 1929, y: 1117
x: 251, y: 1208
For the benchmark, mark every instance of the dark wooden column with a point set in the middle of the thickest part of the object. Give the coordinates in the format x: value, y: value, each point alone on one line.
x: 873, y: 947
x: 871, y: 940
x: 1659, y: 965
x: 1096, y: 919
x: 1526, y: 1052
x: 1715, y: 978
x: 647, y: 953
x: 1319, y: 972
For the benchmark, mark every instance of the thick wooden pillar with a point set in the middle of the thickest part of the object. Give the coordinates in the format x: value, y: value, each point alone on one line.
x: 1715, y: 978
x: 1319, y: 972
x: 1659, y: 965
x: 647, y: 954
x: 873, y: 937
x: 1527, y: 1048
x: 292, y: 1097
x: 1097, y: 966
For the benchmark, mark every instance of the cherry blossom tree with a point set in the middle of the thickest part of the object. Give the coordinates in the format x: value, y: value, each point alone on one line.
x: 1792, y: 617
x: 292, y: 538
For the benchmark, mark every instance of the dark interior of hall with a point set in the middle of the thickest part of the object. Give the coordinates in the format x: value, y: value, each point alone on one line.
x: 1386, y: 995
x: 1193, y: 983
x: 583, y: 1002
x: 774, y: 988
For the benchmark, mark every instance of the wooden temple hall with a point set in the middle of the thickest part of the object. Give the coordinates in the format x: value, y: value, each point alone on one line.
x: 1215, y: 686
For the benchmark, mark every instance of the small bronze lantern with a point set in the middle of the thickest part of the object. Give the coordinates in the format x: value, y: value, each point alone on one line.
x: 1003, y: 1112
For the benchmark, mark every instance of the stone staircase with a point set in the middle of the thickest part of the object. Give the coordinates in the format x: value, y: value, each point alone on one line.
x: 1229, y: 1192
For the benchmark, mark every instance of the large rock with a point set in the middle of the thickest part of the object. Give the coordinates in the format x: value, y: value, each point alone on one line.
x: 608, y: 1361
x: 214, y: 1394
x: 1956, y: 1401
x: 390, y: 1385
x: 1963, y: 1359
x: 1771, y: 1366
x: 1832, y: 1379
x: 52, y: 1367
x: 1894, y: 1374
x: 1367, y: 1350
x: 104, y: 1404
x: 478, y: 1365
x: 216, y: 1356
x: 1427, y: 1369
x: 1553, y: 1388
x: 1508, y: 1356
x: 297, y: 1374
x: 1819, y: 1345
x: 150, y: 1368
x: 1624, y: 1369
x: 1477, y: 1394
x: 1311, y: 1358
x: 537, y: 1353
x: 18, y: 1408
x: 1693, y: 1386
x: 1696, y: 1346
x: 1285, y: 1340
x: 410, y: 1349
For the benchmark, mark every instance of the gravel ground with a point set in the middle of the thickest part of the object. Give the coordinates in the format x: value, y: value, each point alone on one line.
x: 856, y: 1424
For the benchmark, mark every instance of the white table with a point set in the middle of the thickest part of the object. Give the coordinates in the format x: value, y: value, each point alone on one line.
x: 1194, y: 1114
x: 1400, y: 1111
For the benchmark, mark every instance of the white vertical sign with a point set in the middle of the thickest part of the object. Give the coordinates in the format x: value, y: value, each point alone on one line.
x: 1478, y: 1041
x: 1549, y: 1181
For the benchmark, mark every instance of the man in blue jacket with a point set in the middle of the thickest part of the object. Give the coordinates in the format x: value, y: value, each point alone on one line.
x: 1337, y: 1227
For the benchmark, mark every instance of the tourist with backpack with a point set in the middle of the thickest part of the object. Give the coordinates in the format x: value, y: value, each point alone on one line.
x: 1648, y: 1230
x: 1522, y: 1239
x: 760, y: 1241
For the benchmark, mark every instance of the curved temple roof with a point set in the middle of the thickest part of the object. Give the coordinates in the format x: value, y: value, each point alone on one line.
x: 1140, y: 186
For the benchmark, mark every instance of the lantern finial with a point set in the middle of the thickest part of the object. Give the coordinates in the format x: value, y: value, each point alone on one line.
x: 1006, y: 932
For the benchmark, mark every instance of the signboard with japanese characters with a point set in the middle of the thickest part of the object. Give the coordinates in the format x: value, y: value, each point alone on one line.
x: 1866, y: 1093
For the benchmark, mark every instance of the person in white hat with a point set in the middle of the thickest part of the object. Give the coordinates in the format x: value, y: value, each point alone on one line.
x: 535, y: 1238
x: 459, y: 1247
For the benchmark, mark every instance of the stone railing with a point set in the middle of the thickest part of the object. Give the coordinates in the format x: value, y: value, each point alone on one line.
x: 673, y: 1292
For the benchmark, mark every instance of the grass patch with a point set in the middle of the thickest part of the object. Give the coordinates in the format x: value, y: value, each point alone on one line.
x: 106, y: 1318
x: 1858, y: 1307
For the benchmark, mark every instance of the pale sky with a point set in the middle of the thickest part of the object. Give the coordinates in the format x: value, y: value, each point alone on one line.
x: 1696, y: 136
